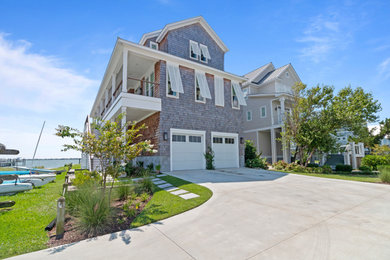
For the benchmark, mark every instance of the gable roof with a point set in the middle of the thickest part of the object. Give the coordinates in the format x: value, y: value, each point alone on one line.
x: 254, y: 75
x: 148, y: 36
x: 258, y: 77
x: 172, y: 26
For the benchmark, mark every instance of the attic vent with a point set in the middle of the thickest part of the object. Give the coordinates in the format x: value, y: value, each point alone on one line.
x: 287, y: 75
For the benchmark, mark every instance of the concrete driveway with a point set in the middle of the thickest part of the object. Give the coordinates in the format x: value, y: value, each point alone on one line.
x: 257, y: 215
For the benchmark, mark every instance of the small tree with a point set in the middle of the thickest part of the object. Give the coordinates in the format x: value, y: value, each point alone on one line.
x: 209, y: 156
x: 109, y: 142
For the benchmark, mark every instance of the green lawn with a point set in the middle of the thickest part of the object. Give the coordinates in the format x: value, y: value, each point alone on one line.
x: 22, y: 229
x: 164, y: 205
x: 349, y: 177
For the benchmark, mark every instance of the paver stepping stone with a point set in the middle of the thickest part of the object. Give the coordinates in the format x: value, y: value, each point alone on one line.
x: 161, y: 175
x: 159, y: 182
x: 156, y: 179
x: 189, y: 196
x: 166, y: 185
x: 177, y: 192
x: 169, y: 189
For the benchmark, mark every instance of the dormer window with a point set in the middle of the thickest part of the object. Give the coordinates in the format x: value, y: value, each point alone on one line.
x: 153, y: 45
x: 194, y: 50
x: 204, y: 53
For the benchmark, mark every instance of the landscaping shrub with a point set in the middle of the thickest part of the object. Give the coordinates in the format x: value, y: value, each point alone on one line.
x: 343, y: 168
x: 145, y: 185
x: 365, y: 169
x: 256, y: 163
x: 209, y: 156
x: 312, y: 165
x: 150, y: 167
x: 374, y: 160
x: 384, y: 173
x: 158, y: 168
x: 140, y: 164
x: 250, y: 150
x: 326, y: 169
x: 130, y: 169
x: 124, y: 192
x: 144, y: 196
x: 90, y: 208
x: 82, y: 177
x: 280, y: 165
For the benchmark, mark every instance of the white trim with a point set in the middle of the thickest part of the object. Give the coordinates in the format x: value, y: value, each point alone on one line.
x: 262, y: 129
x: 222, y: 134
x: 265, y: 109
x: 249, y: 112
x: 146, y: 36
x: 156, y: 55
x: 186, y: 131
x: 198, y: 19
x: 151, y: 43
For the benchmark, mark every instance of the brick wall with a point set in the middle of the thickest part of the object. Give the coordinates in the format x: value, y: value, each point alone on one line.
x: 151, y: 132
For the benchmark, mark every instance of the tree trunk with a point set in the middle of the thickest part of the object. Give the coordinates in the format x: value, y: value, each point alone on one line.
x: 309, y: 158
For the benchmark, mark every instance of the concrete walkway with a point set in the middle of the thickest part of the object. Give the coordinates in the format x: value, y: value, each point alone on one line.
x: 257, y: 215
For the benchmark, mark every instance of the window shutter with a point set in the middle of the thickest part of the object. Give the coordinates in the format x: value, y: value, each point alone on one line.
x: 205, y: 51
x: 219, y: 91
x: 195, y: 47
x: 240, y: 95
x: 174, y: 75
x: 204, y: 87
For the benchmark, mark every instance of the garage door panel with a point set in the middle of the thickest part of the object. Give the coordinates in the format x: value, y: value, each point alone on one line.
x: 187, y: 155
x: 226, y: 153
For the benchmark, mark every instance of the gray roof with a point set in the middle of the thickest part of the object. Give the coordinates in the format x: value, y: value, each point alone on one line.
x: 271, y: 75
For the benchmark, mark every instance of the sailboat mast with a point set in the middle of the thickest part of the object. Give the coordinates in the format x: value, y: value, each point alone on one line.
x: 36, y: 147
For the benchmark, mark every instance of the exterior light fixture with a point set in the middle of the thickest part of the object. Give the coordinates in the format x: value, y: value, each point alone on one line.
x: 241, y: 140
x: 165, y: 136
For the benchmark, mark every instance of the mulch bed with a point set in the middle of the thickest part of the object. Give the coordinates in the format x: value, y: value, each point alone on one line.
x: 73, y: 233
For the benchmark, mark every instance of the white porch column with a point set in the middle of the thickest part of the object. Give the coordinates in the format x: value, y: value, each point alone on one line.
x: 284, y: 144
x: 113, y: 85
x: 353, y: 155
x: 272, y: 114
x: 123, y: 112
x: 273, y: 146
x: 124, y: 70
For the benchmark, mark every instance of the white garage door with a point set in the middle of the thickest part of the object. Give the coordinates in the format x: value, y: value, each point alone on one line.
x: 187, y: 149
x: 225, y: 149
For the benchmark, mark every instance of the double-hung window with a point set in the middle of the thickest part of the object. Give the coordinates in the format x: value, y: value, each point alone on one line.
x: 249, y: 115
x: 174, y: 83
x: 263, y: 112
x: 235, y: 103
x: 153, y: 45
x: 170, y: 92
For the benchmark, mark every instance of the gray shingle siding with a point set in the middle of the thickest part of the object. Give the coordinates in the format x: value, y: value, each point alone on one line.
x: 185, y: 113
x: 147, y: 42
x: 176, y: 42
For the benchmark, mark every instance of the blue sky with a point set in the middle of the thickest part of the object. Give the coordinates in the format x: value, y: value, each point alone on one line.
x: 53, y: 54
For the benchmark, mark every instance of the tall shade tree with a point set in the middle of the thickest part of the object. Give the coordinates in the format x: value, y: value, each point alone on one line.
x: 317, y: 114
x: 109, y: 142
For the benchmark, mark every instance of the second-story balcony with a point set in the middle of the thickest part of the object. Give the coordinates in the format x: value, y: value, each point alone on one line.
x: 133, y: 88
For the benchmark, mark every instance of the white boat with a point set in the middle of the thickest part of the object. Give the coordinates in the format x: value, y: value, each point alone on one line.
x: 35, y: 181
x: 12, y: 188
x: 46, y: 177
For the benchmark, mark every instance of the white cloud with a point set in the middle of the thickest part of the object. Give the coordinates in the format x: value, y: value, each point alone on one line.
x: 322, y: 36
x: 384, y: 68
x: 34, y: 88
x: 36, y: 82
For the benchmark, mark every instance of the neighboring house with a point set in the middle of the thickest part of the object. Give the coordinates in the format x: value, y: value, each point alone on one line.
x: 269, y: 97
x: 174, y: 82
x: 343, y: 136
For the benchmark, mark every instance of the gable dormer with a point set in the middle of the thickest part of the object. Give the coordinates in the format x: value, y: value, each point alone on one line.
x: 191, y: 39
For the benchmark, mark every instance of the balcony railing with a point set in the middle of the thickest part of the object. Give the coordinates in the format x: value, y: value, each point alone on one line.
x: 145, y: 88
